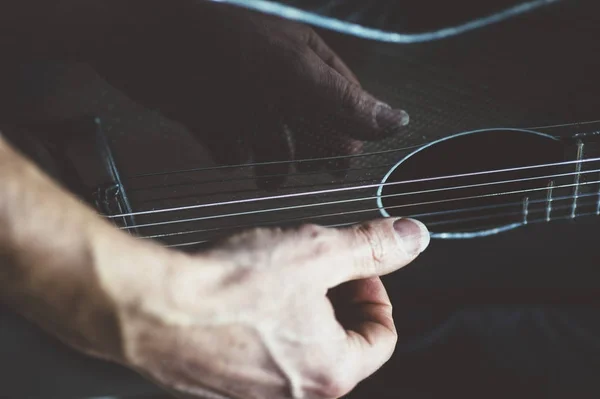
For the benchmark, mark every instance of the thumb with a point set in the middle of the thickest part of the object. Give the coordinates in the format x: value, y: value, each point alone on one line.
x: 379, y: 247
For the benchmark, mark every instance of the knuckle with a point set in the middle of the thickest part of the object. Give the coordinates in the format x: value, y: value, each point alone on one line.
x: 309, y: 36
x: 254, y: 236
x: 357, y: 104
x: 317, y: 239
x: 311, y: 230
x: 332, y: 384
x: 369, y: 236
x: 348, y: 95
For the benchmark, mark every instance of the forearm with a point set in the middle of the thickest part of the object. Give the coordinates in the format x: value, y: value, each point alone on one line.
x: 51, y: 250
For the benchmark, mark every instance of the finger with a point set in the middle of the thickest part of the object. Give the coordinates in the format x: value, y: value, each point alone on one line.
x: 371, y: 344
x: 364, y: 310
x: 357, y: 300
x: 318, y: 45
x: 273, y: 153
x: 378, y: 247
x: 349, y: 109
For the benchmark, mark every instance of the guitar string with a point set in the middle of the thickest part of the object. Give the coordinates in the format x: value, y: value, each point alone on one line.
x: 306, y: 160
x: 267, y: 163
x: 345, y: 224
x: 147, y: 199
x: 514, y: 213
x: 249, y: 178
x: 344, y: 189
x: 195, y: 195
x: 534, y: 221
x: 287, y: 220
x: 429, y: 225
x: 367, y: 154
x: 562, y: 125
x: 171, y: 222
x: 352, y: 200
x: 417, y: 216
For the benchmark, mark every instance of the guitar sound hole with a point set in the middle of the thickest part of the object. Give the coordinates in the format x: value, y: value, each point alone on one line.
x: 486, y: 198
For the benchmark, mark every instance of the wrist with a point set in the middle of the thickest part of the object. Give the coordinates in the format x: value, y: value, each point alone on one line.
x: 149, y: 287
x: 47, y: 245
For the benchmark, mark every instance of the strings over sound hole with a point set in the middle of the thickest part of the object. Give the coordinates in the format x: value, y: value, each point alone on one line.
x: 480, y: 183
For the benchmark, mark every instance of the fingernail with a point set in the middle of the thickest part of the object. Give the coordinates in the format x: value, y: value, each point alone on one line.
x: 414, y: 235
x: 389, y: 118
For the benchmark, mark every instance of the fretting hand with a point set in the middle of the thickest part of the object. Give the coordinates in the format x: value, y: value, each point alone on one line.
x: 250, y: 86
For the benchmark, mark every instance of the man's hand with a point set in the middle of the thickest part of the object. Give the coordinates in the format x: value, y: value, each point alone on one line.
x: 250, y: 86
x: 267, y: 314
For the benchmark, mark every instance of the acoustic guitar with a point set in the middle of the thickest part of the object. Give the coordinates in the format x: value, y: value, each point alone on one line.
x: 501, y: 161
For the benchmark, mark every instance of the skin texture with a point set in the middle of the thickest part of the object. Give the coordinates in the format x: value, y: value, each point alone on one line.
x: 267, y: 313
